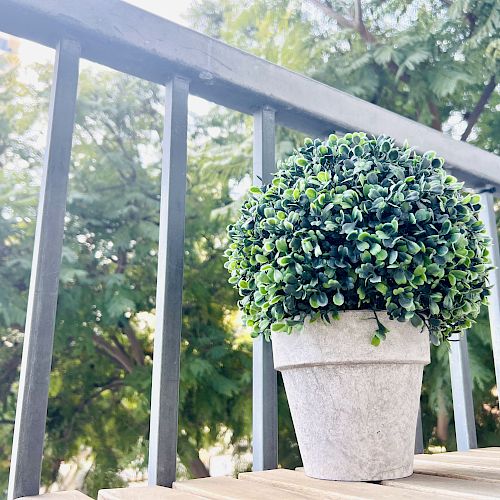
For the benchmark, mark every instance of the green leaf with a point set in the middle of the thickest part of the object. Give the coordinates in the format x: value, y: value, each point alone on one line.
x: 311, y: 193
x: 434, y: 308
x: 278, y: 327
x: 393, y: 256
x: 284, y: 261
x: 421, y: 215
x: 338, y: 299
x: 406, y: 302
x: 400, y: 277
x: 416, y: 321
x: 281, y: 245
x: 324, y: 176
x: 413, y: 247
x: 381, y: 255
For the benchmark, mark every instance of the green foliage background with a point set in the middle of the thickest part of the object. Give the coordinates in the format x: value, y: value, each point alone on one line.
x: 434, y: 61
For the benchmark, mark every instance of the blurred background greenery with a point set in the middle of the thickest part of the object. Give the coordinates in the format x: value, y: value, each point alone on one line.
x: 435, y: 61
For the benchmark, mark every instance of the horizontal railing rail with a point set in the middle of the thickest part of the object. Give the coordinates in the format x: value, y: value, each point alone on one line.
x: 133, y: 41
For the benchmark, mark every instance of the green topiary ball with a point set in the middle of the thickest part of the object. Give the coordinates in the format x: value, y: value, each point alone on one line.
x: 360, y: 223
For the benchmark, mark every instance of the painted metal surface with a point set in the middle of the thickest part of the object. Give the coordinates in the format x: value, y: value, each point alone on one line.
x: 419, y: 435
x: 166, y: 356
x: 119, y: 35
x: 31, y: 413
x: 461, y: 387
x: 489, y: 220
x: 265, y: 390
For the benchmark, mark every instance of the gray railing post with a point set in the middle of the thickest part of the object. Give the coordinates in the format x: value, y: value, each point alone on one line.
x: 419, y: 435
x: 265, y: 387
x: 166, y: 356
x: 461, y: 387
x: 32, y: 400
x: 489, y: 220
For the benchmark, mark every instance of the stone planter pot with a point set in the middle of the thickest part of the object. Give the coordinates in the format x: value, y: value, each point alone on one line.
x: 354, y: 406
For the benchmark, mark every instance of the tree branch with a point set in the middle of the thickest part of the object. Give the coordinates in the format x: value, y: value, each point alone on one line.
x: 121, y: 360
x: 121, y: 145
x: 355, y: 24
x: 137, y: 350
x: 479, y: 108
x: 114, y: 384
x: 328, y: 11
x: 360, y: 25
x: 121, y: 348
x: 436, y: 118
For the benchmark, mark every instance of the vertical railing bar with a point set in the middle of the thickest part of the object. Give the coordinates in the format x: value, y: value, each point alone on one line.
x: 32, y: 401
x: 265, y: 387
x: 461, y: 387
x: 488, y: 217
x: 419, y: 435
x: 167, y: 342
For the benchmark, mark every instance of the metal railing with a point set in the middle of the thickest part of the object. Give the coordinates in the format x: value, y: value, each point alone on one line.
x: 133, y: 41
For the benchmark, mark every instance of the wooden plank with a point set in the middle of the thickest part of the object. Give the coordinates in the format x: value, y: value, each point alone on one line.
x: 458, y: 471
x: 297, y: 482
x: 458, y: 488
x: 265, y: 381
x: 486, y: 451
x: 143, y: 493
x: 31, y: 411
x: 225, y: 488
x: 483, y: 453
x: 167, y: 341
x: 462, y: 459
x: 60, y: 495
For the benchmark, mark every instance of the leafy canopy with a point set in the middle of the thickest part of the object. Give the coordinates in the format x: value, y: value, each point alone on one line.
x: 101, y: 377
x: 359, y: 223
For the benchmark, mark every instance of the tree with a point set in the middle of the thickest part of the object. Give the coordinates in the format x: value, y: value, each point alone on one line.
x: 435, y: 62
x: 101, y: 378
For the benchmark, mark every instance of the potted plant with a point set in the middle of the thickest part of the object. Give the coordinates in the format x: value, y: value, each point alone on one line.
x: 374, y: 241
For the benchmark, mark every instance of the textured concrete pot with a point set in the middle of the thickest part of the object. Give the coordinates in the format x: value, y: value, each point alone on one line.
x: 354, y: 406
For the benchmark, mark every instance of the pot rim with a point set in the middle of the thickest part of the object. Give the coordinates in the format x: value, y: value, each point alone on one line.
x: 347, y: 341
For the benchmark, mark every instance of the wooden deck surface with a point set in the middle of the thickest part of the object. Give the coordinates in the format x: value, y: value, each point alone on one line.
x: 471, y: 475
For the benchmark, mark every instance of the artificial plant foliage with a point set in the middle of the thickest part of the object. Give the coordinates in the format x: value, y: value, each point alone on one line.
x: 360, y: 223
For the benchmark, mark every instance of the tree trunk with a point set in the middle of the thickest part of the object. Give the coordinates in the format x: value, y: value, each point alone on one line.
x: 189, y: 456
x: 197, y: 468
x: 443, y: 420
